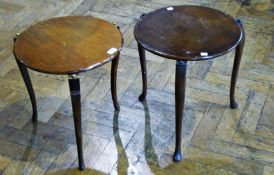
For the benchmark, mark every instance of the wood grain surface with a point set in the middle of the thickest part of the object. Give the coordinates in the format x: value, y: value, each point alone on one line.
x: 68, y: 45
x: 188, y: 32
x: 140, y: 139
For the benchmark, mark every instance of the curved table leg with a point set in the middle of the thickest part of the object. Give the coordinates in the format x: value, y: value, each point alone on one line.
x: 24, y: 72
x: 142, y: 56
x: 114, y: 65
x: 235, y: 70
x: 180, y: 85
x: 74, y: 86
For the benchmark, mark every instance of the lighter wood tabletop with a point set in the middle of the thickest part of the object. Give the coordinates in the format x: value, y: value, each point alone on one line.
x: 68, y: 45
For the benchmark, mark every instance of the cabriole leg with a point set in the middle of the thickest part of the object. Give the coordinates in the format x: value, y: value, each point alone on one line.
x: 26, y: 78
x: 114, y: 65
x: 180, y: 85
x: 142, y: 56
x: 236, y: 65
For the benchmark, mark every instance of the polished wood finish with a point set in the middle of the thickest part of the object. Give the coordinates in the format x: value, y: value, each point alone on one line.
x: 187, y: 33
x: 114, y: 66
x: 26, y: 78
x: 215, y: 139
x: 25, y: 75
x: 74, y: 87
x: 68, y: 45
x: 142, y: 56
x: 235, y: 70
x: 180, y: 88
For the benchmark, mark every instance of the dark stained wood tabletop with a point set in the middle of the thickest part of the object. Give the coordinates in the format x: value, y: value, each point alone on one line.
x: 188, y: 33
x: 68, y: 45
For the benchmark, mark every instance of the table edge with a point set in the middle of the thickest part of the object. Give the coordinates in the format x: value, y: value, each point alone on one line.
x: 74, y: 71
x: 197, y: 58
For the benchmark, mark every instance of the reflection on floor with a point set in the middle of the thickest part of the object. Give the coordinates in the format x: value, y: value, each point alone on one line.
x: 140, y: 138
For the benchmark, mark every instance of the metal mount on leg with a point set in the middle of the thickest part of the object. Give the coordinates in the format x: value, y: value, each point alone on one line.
x: 142, y: 15
x: 73, y: 76
x: 116, y: 25
x: 239, y: 22
x: 14, y: 39
x: 182, y: 63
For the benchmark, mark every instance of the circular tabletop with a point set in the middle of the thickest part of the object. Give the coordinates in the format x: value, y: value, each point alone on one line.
x: 68, y: 45
x: 188, y: 33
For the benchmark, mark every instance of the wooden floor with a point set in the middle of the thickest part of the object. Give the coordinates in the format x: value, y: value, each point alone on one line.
x: 140, y: 139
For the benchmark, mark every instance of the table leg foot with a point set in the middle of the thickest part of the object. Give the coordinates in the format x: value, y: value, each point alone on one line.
x: 177, y: 157
x: 74, y: 86
x: 236, y: 65
x: 142, y: 97
x: 81, y: 166
x: 142, y: 56
x: 114, y: 65
x: 180, y: 85
x: 233, y: 105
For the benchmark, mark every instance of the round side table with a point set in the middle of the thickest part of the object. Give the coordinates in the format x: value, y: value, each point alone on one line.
x: 67, y: 46
x: 188, y: 33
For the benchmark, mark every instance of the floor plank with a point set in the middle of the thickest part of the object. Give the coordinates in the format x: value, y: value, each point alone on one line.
x: 140, y: 138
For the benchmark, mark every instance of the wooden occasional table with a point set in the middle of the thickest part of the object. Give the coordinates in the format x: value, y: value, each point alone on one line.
x: 188, y: 33
x: 67, y: 46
